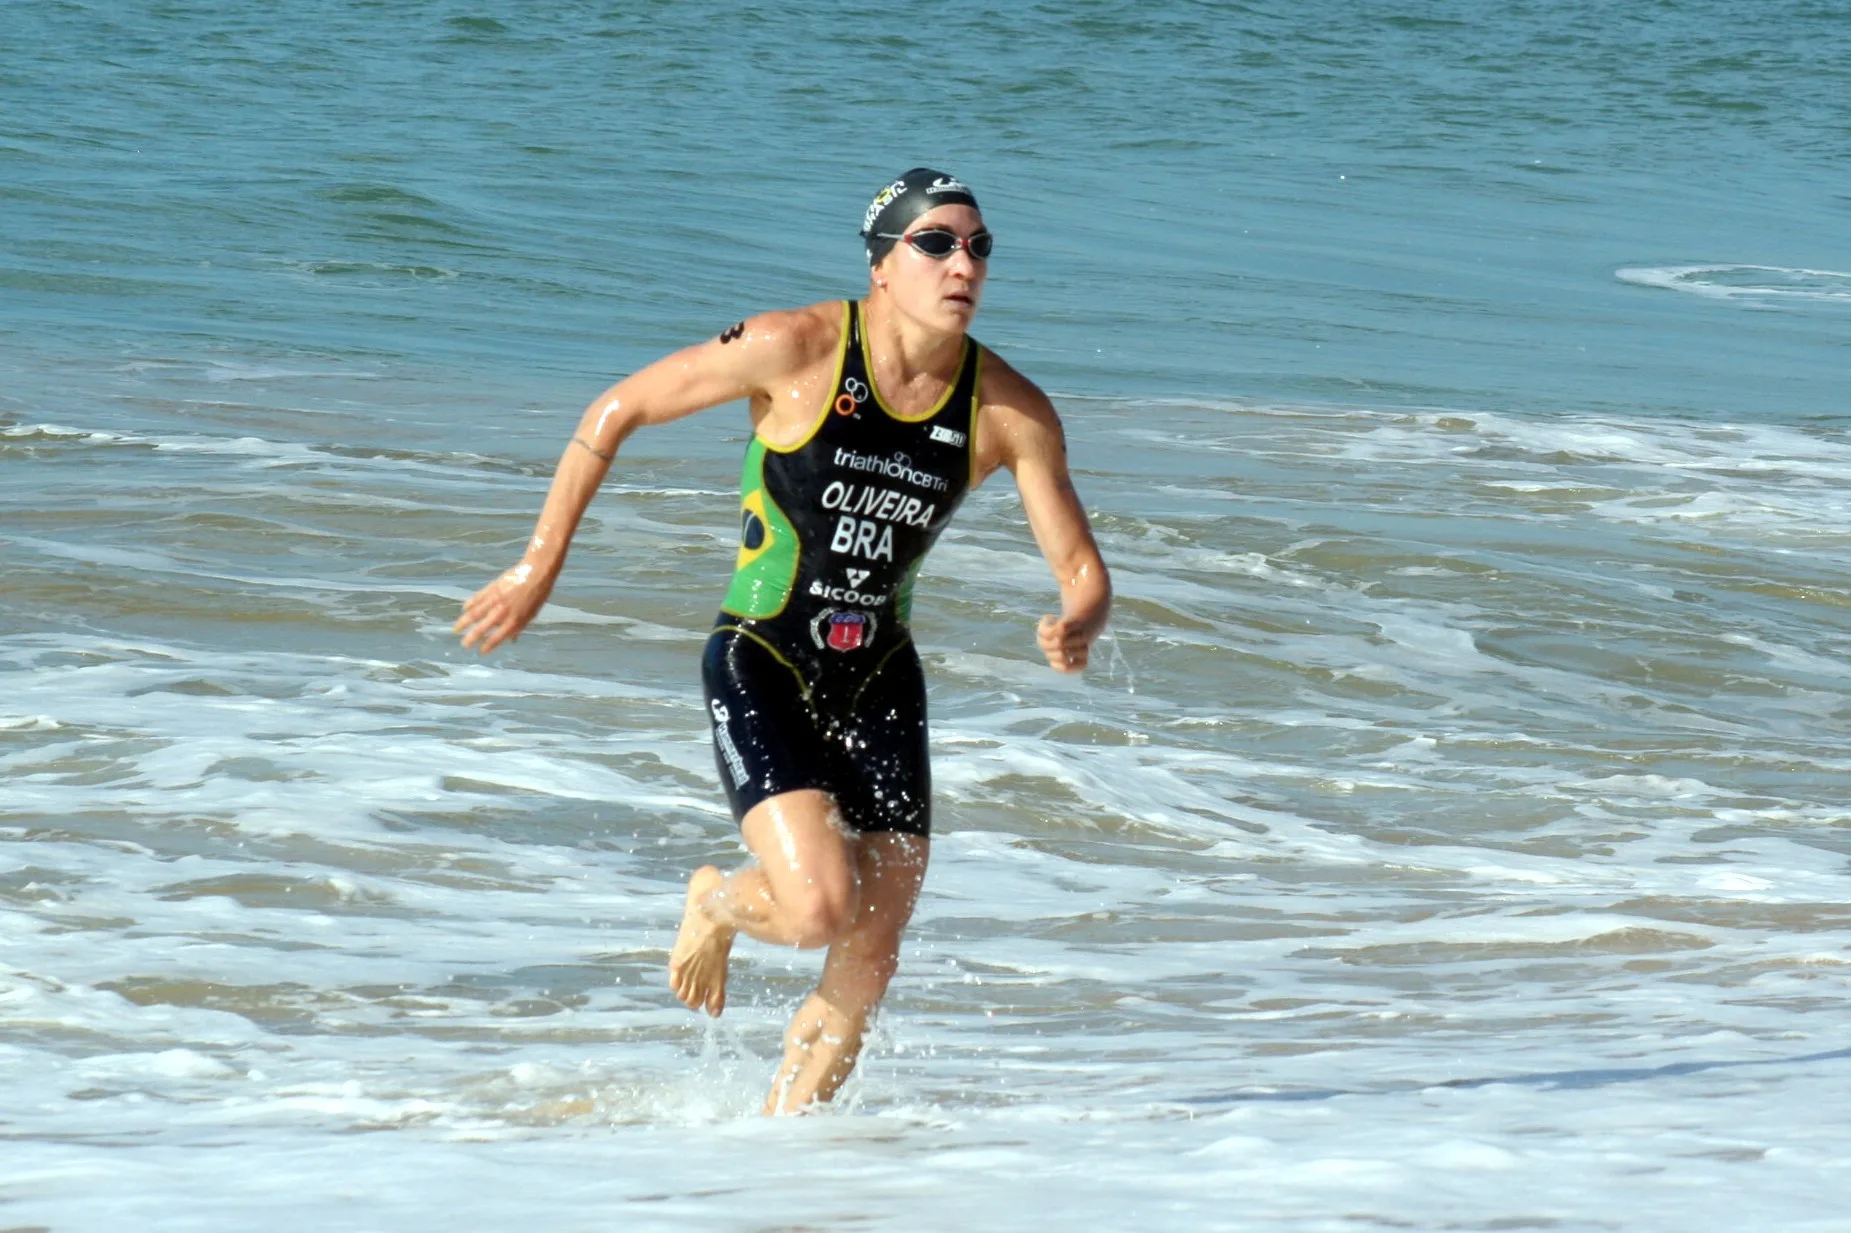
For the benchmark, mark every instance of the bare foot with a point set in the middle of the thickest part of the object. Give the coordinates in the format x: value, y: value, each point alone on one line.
x: 697, y: 965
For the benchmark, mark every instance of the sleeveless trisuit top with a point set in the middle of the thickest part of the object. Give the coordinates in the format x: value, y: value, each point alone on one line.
x: 833, y: 529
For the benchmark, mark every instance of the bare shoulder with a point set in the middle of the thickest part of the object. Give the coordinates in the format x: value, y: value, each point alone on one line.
x: 785, y: 340
x: 1007, y: 391
x: 1016, y: 418
x: 749, y: 360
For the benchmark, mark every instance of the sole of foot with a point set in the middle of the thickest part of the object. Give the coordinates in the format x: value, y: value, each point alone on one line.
x: 697, y: 965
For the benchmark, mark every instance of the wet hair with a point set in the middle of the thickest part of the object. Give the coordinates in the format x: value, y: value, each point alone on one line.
x: 899, y: 203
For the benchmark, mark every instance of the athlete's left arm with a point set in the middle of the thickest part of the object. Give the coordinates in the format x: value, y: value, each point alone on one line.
x: 1019, y: 429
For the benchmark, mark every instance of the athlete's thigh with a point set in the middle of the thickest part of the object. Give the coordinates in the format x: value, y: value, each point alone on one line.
x: 765, y: 734
x: 799, y: 841
x: 892, y: 867
x: 883, y: 780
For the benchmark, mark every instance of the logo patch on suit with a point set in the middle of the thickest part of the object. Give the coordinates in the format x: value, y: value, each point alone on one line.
x: 755, y: 537
x: 855, y: 391
x: 840, y: 630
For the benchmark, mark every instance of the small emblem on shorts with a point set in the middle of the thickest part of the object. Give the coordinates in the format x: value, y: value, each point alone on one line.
x: 949, y: 436
x: 729, y: 752
x: 856, y: 576
x: 842, y: 631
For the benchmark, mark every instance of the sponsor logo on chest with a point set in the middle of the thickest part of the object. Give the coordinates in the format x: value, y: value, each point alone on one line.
x: 850, y: 594
x: 894, y: 466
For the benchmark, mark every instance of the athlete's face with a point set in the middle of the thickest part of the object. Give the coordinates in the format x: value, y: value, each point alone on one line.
x: 937, y: 291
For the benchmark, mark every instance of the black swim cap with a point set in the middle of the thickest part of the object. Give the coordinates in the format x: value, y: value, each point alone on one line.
x: 898, y: 204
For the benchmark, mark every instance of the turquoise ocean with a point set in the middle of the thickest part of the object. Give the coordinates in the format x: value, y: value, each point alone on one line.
x: 1454, y: 832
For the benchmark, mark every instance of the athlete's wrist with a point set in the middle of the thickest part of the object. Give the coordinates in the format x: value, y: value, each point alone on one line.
x: 537, y: 567
x: 1089, y: 621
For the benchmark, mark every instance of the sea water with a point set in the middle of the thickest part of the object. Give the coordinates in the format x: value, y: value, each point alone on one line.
x: 1452, y: 831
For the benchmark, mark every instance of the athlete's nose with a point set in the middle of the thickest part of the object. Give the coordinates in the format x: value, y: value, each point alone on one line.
x: 962, y: 264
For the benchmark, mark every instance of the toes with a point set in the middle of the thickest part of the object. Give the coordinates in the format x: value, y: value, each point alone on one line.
x: 688, y: 986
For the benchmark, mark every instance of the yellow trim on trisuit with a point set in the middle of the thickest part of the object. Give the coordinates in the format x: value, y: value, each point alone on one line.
x: 829, y: 399
x: 867, y: 360
x: 879, y: 668
x: 976, y: 409
x: 775, y: 653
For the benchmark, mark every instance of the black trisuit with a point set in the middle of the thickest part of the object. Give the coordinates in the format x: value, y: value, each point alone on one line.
x: 811, y: 676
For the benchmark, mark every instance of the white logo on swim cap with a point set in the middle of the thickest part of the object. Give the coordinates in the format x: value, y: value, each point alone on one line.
x: 881, y: 200
x: 949, y: 184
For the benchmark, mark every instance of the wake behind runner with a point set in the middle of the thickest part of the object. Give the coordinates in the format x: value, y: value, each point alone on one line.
x: 871, y: 421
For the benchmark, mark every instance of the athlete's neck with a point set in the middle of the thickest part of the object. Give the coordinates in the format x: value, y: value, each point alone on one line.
x: 906, y: 349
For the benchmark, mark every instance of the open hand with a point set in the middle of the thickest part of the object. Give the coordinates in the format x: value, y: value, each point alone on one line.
x: 501, y: 610
x: 1065, y: 642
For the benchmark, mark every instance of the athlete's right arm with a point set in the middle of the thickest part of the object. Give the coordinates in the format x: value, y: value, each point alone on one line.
x: 744, y: 361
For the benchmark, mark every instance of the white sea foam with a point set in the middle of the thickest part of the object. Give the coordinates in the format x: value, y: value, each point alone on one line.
x: 1414, y: 789
x: 1752, y: 283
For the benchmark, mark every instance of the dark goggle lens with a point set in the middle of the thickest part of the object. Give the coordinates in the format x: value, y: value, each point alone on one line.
x: 936, y: 243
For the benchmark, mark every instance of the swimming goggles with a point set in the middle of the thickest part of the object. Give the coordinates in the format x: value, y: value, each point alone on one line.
x: 938, y: 243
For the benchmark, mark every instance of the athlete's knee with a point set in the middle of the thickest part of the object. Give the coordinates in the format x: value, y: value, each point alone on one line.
x: 821, y: 911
